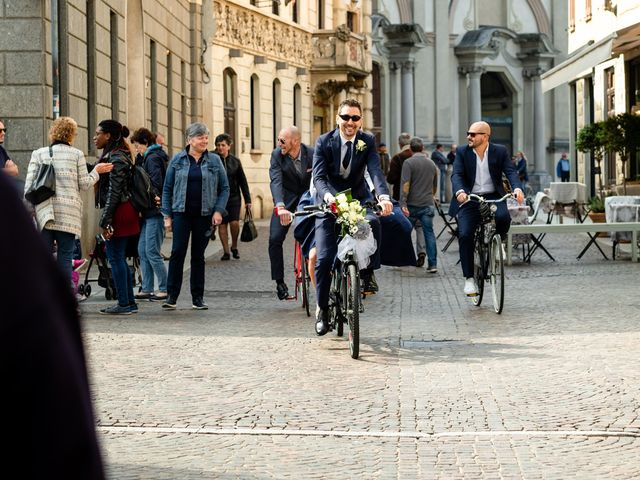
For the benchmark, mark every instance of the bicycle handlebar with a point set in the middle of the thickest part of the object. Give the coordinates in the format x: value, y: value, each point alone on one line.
x: 473, y: 196
x: 331, y: 208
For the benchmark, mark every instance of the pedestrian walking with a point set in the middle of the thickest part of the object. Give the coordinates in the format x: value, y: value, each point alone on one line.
x: 419, y: 185
x: 154, y: 161
x: 237, y: 183
x: 120, y: 220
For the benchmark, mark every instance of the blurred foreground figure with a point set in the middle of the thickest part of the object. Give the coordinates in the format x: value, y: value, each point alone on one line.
x: 42, y: 365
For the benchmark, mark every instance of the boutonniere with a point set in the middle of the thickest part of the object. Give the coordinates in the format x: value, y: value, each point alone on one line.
x: 361, y: 146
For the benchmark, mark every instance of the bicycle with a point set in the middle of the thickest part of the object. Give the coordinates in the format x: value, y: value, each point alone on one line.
x: 345, y: 297
x: 488, y: 261
x: 301, y: 277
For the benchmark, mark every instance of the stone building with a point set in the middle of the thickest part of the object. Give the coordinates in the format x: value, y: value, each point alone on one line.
x: 439, y: 65
x: 245, y: 67
x: 603, y: 74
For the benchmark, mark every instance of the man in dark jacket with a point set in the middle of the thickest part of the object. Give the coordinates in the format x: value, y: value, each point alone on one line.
x: 341, y: 158
x: 478, y: 169
x: 290, y: 174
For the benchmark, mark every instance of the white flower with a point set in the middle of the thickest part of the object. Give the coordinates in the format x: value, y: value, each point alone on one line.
x: 361, y: 146
x: 341, y: 198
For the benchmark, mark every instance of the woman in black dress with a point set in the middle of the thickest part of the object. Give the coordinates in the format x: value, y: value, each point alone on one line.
x: 237, y: 183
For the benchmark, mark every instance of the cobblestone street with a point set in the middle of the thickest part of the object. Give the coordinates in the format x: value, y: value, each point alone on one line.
x: 442, y: 389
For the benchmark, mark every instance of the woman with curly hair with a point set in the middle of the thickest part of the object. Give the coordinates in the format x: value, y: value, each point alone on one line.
x: 120, y: 221
x: 60, y: 217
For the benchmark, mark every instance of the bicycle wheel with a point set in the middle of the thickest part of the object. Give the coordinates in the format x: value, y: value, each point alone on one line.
x: 479, y: 270
x: 304, y: 274
x: 352, y: 309
x: 336, y: 306
x: 496, y: 273
x: 297, y: 269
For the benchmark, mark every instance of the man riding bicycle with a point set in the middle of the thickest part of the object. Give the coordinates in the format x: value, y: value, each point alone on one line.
x: 341, y: 158
x: 478, y: 169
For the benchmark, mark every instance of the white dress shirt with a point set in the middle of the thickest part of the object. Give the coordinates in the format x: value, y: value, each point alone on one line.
x: 483, y: 183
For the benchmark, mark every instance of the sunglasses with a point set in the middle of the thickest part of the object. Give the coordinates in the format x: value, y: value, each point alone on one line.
x: 473, y: 134
x: 346, y: 118
x: 282, y: 141
x: 3, y: 130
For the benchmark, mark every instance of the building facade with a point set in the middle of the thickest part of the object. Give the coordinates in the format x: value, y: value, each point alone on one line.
x: 603, y: 74
x: 244, y: 67
x: 440, y: 65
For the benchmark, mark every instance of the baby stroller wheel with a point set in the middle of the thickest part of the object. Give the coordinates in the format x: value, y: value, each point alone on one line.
x: 81, y: 289
x: 87, y: 290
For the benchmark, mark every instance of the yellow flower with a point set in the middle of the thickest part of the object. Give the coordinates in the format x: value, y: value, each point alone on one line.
x: 361, y: 146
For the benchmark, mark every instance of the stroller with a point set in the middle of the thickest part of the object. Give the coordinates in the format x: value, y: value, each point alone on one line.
x: 105, y: 278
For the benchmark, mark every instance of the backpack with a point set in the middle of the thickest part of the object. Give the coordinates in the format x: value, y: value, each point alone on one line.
x: 142, y: 193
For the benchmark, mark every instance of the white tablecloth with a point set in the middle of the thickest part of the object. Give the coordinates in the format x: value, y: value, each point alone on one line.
x: 519, y: 216
x: 568, y: 192
x: 622, y: 212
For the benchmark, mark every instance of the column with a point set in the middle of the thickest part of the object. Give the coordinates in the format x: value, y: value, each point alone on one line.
x: 537, y: 160
x: 408, y: 117
x: 395, y: 104
x: 475, y: 94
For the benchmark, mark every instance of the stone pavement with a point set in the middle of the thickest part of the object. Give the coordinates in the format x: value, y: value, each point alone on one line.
x: 443, y: 389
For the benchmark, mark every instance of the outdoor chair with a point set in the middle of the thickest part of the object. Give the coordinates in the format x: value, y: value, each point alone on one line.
x: 450, y: 225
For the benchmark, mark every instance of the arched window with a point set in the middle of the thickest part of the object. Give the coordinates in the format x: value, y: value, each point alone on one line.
x: 255, y: 112
x: 297, y: 106
x: 229, y: 86
x: 276, y: 104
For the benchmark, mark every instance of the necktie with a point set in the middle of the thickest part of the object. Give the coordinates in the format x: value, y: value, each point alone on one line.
x: 347, y: 156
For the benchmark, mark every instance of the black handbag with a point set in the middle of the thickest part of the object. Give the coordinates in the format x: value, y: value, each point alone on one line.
x: 43, y: 186
x: 249, y: 230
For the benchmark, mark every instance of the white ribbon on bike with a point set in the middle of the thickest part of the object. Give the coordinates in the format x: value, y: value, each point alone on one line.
x: 364, y: 248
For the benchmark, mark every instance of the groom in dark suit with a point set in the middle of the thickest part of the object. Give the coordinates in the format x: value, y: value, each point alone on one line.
x: 290, y: 175
x: 478, y: 169
x: 340, y: 160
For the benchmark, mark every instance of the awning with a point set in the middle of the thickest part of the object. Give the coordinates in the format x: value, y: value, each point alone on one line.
x: 579, y: 64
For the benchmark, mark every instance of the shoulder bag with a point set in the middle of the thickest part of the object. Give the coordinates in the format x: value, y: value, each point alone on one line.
x: 44, y: 182
x: 249, y: 230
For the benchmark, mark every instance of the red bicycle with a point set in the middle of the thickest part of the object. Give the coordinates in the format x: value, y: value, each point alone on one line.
x: 302, y: 279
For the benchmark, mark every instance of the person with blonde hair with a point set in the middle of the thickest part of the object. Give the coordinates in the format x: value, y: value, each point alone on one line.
x: 60, y: 217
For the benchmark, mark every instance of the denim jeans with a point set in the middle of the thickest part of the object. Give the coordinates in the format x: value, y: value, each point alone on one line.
x: 425, y: 216
x: 151, y: 262
x: 122, y: 275
x: 185, y: 226
x: 65, y: 242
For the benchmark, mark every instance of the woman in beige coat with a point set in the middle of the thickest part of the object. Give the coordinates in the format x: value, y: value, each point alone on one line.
x: 60, y: 217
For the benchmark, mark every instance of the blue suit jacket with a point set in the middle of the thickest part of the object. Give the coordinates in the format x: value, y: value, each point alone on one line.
x: 464, y: 172
x: 326, y: 167
x: 287, y: 186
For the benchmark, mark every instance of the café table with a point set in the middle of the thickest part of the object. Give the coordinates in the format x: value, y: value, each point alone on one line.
x: 569, y: 194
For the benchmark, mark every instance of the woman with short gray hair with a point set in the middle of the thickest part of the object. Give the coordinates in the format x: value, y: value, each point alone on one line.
x: 194, y: 196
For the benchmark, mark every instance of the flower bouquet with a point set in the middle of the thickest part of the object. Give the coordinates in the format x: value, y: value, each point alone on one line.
x: 355, y: 229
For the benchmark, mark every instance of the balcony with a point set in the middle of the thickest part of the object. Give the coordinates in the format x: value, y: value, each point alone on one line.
x: 339, y: 58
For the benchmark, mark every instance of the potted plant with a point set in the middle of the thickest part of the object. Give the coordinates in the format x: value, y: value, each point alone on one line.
x: 592, y: 138
x: 622, y: 135
x: 596, y: 210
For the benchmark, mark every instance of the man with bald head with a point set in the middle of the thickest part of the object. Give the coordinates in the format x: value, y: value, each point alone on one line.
x: 478, y: 169
x: 290, y: 174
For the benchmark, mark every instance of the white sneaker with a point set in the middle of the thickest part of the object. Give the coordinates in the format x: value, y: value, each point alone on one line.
x: 470, y: 287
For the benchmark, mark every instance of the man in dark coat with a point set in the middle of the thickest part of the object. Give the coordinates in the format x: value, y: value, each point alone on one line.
x: 42, y: 364
x: 341, y: 158
x: 478, y: 169
x: 290, y: 175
